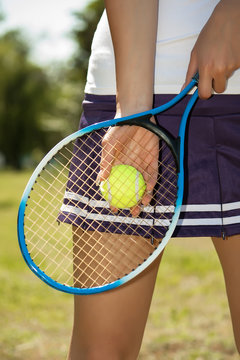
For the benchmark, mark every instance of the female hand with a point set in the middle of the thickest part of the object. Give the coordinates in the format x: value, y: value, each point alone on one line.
x: 216, y: 54
x: 135, y: 146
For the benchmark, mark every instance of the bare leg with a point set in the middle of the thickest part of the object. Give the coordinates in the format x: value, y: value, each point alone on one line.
x: 229, y: 254
x: 110, y: 325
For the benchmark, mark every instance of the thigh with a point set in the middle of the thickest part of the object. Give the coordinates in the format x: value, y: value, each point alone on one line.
x: 114, y: 320
x: 229, y: 254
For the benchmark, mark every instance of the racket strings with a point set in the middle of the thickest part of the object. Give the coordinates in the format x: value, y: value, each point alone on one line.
x: 100, y: 246
x: 106, y: 267
x: 143, y: 220
x: 110, y: 246
x: 170, y: 169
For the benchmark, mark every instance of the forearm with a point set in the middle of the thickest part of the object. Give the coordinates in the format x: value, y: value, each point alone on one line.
x: 133, y: 26
x: 230, y: 5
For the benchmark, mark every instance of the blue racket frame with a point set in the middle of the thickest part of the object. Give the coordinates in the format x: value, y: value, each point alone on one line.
x: 180, y: 184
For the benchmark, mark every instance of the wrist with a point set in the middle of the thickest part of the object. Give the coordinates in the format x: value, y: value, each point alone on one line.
x: 128, y: 106
x: 130, y: 109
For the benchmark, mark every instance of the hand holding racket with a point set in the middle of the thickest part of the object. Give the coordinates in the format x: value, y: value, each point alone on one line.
x: 67, y: 232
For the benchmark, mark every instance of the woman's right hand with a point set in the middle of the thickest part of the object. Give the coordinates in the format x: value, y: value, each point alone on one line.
x: 135, y: 146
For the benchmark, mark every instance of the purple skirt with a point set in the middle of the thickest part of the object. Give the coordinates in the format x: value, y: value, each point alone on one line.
x: 211, y: 205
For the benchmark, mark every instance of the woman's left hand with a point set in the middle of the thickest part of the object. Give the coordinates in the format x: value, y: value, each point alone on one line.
x: 216, y: 54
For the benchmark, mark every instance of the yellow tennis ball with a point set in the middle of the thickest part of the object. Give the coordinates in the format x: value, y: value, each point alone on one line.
x: 124, y: 187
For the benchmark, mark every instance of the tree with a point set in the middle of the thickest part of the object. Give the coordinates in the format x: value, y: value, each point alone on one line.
x: 38, y: 109
x: 24, y: 96
x: 72, y: 76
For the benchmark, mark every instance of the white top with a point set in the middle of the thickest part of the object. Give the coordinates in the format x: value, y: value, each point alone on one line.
x: 179, y: 24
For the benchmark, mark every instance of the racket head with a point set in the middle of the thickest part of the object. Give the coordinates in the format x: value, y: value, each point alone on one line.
x: 49, y: 164
x: 30, y: 234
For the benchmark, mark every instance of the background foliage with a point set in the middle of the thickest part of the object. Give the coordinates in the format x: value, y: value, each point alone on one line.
x: 38, y: 106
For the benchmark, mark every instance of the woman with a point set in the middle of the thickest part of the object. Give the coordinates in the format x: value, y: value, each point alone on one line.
x: 157, y: 47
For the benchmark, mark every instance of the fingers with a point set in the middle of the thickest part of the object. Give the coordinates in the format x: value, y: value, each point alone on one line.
x: 133, y: 146
x: 210, y: 80
x: 205, y: 83
x: 209, y: 83
x: 108, y: 155
x: 205, y: 86
x: 219, y: 82
x: 150, y: 176
x: 214, y: 69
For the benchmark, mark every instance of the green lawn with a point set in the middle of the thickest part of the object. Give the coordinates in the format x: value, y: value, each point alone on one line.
x: 189, y: 318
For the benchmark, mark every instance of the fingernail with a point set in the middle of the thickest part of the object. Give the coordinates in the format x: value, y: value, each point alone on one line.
x: 98, y: 179
x: 149, y: 188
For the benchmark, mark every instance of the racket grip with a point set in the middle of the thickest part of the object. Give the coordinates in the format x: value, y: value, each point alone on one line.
x: 196, y: 77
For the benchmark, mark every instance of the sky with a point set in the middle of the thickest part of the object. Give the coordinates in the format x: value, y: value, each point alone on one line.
x: 46, y: 23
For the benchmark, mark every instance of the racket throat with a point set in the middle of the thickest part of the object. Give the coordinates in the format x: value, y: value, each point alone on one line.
x: 145, y: 122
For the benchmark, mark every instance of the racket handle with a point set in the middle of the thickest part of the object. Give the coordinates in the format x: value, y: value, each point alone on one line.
x: 196, y: 77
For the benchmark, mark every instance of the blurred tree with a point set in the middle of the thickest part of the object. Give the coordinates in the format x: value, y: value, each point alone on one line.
x: 40, y: 106
x: 24, y: 96
x: 2, y: 17
x: 72, y: 76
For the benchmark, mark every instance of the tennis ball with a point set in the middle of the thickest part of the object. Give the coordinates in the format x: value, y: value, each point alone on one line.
x: 124, y: 187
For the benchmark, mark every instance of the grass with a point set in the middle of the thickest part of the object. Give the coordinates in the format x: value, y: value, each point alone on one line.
x: 35, y: 320
x: 189, y: 317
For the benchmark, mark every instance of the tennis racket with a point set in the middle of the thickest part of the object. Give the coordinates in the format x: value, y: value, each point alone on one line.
x: 68, y: 234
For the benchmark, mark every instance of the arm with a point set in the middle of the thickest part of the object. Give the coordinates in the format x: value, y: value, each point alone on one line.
x: 133, y: 25
x: 216, y: 54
